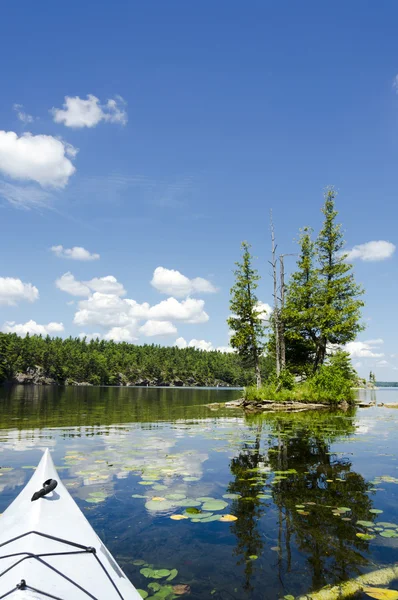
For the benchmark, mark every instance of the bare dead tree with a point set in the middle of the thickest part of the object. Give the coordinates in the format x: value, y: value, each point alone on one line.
x: 275, y: 315
x: 282, y: 344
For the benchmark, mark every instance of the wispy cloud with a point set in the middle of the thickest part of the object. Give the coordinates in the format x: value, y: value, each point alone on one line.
x: 25, y: 196
x: 22, y: 115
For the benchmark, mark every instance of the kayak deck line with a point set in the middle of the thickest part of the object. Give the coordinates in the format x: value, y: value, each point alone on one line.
x: 83, y: 550
x: 45, y: 535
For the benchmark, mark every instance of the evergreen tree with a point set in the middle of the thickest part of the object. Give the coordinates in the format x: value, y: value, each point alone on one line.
x: 246, y: 324
x: 337, y: 304
x: 299, y: 312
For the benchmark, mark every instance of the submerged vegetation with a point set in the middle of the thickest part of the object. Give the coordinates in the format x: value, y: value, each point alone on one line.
x: 314, y: 316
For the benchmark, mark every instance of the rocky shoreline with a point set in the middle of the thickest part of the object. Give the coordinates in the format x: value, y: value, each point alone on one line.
x: 36, y: 376
x: 270, y: 405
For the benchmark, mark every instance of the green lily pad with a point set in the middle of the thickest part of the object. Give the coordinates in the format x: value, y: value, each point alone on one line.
x: 365, y: 536
x: 300, y: 506
x: 365, y: 523
x: 159, y: 487
x: 143, y: 593
x: 264, y: 496
x: 154, y: 586
x: 193, y: 511
x: 389, y: 533
x: 375, y: 511
x: 343, y: 509
x: 175, y: 496
x: 191, y: 478
x: 173, y: 575
x: 187, y: 502
x: 146, y: 483
x: 209, y: 519
x: 154, y: 505
x: 253, y: 557
x: 138, y: 563
x: 214, y: 505
x: 231, y: 496
x: 138, y: 496
x: 388, y: 525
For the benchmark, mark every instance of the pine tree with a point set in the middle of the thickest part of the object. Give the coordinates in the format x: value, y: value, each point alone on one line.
x: 299, y: 312
x: 337, y: 304
x: 246, y: 324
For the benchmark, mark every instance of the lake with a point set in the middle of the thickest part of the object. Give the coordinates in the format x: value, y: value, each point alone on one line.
x: 153, y: 470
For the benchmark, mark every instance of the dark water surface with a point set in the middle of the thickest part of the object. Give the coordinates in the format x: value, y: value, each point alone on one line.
x: 298, y: 484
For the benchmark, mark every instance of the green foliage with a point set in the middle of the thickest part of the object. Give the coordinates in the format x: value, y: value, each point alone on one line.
x: 331, y: 384
x: 323, y: 305
x: 245, y: 322
x: 102, y: 362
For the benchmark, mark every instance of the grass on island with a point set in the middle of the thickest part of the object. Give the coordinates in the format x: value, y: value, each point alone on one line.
x: 331, y: 385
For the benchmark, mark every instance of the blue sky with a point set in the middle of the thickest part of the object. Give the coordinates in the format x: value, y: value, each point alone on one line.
x: 162, y: 133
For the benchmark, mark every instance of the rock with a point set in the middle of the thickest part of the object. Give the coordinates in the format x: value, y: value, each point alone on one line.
x: 234, y: 403
x: 33, y: 376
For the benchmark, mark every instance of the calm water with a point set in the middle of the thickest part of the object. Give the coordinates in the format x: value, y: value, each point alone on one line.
x: 298, y: 484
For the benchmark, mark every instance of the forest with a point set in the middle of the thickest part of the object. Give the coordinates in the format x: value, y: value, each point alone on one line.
x: 99, y: 362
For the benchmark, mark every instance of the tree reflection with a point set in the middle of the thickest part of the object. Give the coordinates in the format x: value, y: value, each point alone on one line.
x: 310, y: 483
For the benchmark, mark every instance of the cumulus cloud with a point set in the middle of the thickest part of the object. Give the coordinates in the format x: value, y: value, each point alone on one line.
x: 174, y: 283
x: 40, y: 158
x: 75, y: 253
x: 13, y: 290
x: 152, y: 328
x: 77, y: 112
x: 372, y: 251
x: 367, y: 349
x: 32, y: 328
x: 22, y: 115
x: 264, y: 310
x: 122, y: 334
x: 189, y: 310
x: 67, y: 283
x: 106, y: 285
x: 200, y: 345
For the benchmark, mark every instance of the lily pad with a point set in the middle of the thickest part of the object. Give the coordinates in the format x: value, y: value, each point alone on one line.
x: 365, y: 536
x: 227, y: 518
x: 175, y: 496
x: 193, y: 511
x: 365, y: 523
x: 191, y: 478
x: 264, y: 496
x: 178, y: 517
x: 375, y: 511
x: 173, y: 575
x: 389, y: 533
x: 154, y: 586
x: 214, y: 505
x: 205, y: 499
x: 158, y: 506
x: 138, y: 563
x: 232, y: 496
x: 143, y: 593
x: 253, y: 557
x: 388, y: 525
x: 181, y: 589
x: 187, y: 502
x: 210, y: 519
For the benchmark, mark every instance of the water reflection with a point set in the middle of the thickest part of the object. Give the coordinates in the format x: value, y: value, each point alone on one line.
x: 317, y: 494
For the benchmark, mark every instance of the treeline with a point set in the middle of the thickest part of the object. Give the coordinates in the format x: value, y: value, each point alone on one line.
x: 386, y: 383
x: 100, y: 362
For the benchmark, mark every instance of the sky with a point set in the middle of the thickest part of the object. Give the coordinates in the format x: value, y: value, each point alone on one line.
x: 141, y: 143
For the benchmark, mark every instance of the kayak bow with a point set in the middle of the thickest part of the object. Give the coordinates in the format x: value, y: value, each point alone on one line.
x: 48, y: 549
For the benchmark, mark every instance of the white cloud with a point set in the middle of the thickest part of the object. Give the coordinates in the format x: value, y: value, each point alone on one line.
x: 372, y: 251
x: 122, y: 334
x: 13, y: 290
x: 32, y: 328
x: 383, y: 363
x: 106, y: 285
x: 395, y: 83
x: 201, y: 345
x: 75, y: 253
x: 364, y: 349
x: 67, y: 283
x: 169, y: 281
x: 189, y: 310
x: 264, y: 310
x: 77, y: 112
x: 40, y: 158
x: 152, y: 328
x: 109, y: 310
x: 22, y: 115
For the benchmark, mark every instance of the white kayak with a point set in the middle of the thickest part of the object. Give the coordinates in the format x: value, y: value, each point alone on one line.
x: 48, y: 549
